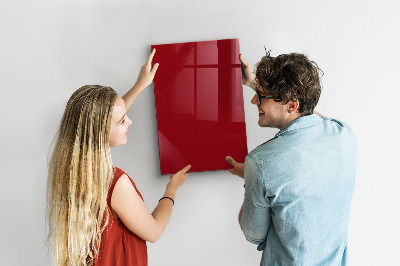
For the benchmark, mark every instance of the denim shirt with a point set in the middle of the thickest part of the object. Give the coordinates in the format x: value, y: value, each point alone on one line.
x: 298, y: 191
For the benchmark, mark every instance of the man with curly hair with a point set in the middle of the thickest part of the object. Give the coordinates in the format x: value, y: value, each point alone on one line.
x: 299, y: 184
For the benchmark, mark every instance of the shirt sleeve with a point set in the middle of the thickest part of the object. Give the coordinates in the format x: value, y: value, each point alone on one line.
x: 256, y: 217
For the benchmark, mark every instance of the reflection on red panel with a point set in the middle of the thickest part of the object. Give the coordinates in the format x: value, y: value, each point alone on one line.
x: 199, y: 104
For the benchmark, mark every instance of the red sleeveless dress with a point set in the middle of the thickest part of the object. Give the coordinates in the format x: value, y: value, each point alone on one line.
x: 119, y: 246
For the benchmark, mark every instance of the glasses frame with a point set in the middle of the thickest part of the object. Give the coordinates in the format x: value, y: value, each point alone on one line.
x: 276, y: 99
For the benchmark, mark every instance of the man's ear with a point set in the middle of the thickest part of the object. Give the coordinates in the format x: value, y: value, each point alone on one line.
x: 293, y: 105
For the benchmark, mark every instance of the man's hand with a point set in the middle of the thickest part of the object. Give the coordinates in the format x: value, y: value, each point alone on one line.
x: 248, y: 76
x: 238, y: 168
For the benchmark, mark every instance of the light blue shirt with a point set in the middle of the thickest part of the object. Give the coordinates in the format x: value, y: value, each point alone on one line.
x: 298, y: 190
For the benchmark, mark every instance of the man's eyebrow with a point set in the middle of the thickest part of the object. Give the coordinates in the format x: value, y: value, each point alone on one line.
x: 121, y: 118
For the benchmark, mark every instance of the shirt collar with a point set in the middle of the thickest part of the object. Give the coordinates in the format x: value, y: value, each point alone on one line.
x: 301, y: 122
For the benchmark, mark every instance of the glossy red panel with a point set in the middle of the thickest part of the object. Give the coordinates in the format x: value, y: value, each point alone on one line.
x: 199, y: 104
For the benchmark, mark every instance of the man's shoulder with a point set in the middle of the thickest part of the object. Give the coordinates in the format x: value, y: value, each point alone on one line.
x: 268, y: 151
x: 294, y: 140
x: 336, y: 128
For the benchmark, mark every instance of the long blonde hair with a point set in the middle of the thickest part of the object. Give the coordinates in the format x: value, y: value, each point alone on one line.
x: 80, y: 174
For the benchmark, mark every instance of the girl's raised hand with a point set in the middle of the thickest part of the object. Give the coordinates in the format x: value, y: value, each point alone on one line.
x: 146, y: 74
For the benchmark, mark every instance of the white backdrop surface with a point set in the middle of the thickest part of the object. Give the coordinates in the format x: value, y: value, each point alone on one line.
x: 48, y: 49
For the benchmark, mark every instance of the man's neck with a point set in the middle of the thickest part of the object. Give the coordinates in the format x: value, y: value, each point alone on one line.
x: 289, y: 120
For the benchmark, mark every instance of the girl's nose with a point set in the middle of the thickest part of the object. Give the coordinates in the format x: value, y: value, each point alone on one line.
x: 128, y: 121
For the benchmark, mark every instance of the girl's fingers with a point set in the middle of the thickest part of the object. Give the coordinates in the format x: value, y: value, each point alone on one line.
x: 154, y: 69
x: 151, y: 56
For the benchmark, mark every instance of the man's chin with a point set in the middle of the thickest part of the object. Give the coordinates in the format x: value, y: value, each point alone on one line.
x: 261, y: 124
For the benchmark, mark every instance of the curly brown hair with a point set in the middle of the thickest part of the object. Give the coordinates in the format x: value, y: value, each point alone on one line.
x: 290, y: 77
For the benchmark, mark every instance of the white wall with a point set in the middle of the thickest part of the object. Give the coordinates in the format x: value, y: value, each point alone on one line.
x: 49, y: 49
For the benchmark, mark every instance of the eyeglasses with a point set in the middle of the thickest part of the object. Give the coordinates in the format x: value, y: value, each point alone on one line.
x: 276, y: 99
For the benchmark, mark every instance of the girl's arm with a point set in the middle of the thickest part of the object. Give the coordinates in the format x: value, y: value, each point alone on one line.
x: 145, y: 78
x: 131, y: 209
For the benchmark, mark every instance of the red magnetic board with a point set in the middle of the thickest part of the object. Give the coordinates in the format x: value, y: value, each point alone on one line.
x: 199, y: 105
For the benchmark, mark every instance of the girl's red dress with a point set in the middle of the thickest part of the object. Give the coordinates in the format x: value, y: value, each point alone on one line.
x: 119, y: 246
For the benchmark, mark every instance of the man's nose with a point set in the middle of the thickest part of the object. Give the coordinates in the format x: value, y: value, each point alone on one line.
x: 254, y: 100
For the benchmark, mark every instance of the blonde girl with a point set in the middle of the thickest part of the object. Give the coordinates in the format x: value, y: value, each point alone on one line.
x: 96, y: 214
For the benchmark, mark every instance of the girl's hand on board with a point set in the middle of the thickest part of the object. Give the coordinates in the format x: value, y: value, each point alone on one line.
x: 179, y: 178
x: 147, y: 73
